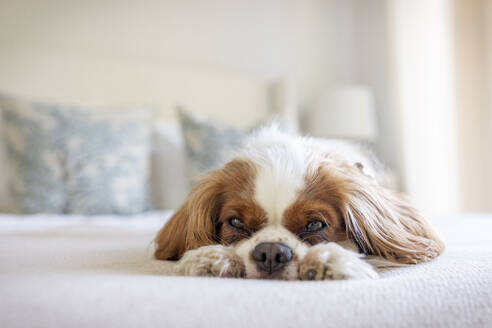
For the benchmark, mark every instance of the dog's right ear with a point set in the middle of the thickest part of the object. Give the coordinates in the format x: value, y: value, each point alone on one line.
x: 193, y: 225
x: 195, y: 222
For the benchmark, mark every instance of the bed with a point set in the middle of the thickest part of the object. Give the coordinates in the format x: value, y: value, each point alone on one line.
x: 75, y: 271
x: 98, y: 271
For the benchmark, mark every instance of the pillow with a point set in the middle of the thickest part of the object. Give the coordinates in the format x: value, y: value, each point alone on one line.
x: 75, y: 160
x: 168, y: 173
x: 3, y: 183
x: 207, y: 142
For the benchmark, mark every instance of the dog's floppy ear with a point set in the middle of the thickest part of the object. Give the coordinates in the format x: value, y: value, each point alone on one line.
x: 382, y: 222
x: 193, y: 225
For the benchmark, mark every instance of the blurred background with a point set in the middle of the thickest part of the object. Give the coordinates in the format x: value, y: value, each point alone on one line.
x: 410, y: 79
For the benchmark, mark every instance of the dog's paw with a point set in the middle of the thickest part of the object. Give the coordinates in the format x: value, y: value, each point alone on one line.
x: 332, y: 262
x: 213, y: 261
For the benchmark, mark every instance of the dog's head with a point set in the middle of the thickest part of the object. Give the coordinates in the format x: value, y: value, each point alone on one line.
x: 281, y: 195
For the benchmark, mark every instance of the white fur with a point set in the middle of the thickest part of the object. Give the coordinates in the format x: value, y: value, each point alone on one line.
x: 212, y: 260
x: 276, y: 187
x: 332, y: 261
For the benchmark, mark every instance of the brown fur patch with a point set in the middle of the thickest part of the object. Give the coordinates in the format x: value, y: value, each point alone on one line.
x: 318, y: 201
x: 252, y: 215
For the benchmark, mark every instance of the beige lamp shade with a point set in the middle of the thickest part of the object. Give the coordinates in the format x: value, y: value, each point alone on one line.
x: 344, y: 112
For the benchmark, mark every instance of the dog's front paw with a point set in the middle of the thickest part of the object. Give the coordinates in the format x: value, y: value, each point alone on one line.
x: 332, y: 262
x: 214, y: 261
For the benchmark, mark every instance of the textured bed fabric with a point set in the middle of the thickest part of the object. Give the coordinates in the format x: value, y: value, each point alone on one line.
x: 57, y: 271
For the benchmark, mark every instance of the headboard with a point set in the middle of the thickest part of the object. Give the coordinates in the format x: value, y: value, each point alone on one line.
x: 234, y: 98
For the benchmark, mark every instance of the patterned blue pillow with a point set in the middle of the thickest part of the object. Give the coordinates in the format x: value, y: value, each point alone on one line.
x: 207, y: 142
x: 75, y: 160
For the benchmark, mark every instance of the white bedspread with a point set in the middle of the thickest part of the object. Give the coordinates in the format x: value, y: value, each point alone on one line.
x: 58, y: 271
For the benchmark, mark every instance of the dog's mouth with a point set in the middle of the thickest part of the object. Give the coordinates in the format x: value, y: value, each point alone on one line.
x: 289, y: 272
x: 273, y: 276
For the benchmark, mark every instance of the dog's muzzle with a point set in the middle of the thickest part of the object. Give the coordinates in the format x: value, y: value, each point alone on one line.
x: 272, y: 257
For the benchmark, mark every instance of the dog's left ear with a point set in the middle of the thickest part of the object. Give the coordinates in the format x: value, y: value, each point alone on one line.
x: 382, y: 222
x: 194, y: 224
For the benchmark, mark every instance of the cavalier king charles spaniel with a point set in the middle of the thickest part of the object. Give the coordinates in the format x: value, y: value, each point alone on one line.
x: 287, y: 207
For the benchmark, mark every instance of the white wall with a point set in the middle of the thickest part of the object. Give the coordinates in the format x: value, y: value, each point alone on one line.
x: 473, y: 45
x: 316, y: 43
x: 311, y: 41
x: 422, y: 86
x: 471, y: 95
x: 488, y: 151
x: 430, y: 65
x: 372, y: 68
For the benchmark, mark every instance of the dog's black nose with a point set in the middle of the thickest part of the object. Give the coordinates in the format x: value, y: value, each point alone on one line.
x: 272, y: 257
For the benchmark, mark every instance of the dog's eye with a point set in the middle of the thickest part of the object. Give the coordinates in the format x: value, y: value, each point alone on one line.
x: 236, y: 223
x: 315, y: 226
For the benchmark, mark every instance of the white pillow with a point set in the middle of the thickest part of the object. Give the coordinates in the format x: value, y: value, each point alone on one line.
x: 4, y: 201
x: 168, y: 168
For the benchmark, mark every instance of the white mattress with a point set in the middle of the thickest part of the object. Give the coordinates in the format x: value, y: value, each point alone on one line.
x: 61, y: 271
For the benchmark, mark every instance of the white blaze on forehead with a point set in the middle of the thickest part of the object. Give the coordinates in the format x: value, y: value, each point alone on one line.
x: 281, y: 175
x: 276, y: 187
x: 283, y: 163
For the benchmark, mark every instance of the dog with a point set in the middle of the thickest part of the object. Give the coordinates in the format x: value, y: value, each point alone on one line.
x: 294, y: 208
